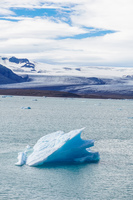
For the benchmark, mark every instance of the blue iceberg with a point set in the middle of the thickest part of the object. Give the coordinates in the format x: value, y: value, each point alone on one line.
x: 60, y: 147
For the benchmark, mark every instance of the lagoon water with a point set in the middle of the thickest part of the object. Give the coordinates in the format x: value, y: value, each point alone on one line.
x: 108, y: 122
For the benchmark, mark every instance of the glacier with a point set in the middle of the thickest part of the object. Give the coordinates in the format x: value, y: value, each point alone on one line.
x: 59, y: 147
x: 96, y: 81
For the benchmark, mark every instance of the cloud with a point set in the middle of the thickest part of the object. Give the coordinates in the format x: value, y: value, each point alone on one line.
x: 38, y: 3
x: 37, y: 28
x: 6, y: 12
x: 54, y: 38
x: 105, y: 14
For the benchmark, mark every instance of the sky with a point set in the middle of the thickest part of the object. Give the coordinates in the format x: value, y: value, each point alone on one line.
x: 68, y: 32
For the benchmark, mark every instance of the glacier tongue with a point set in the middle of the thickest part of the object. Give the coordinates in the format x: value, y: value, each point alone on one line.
x: 60, y: 147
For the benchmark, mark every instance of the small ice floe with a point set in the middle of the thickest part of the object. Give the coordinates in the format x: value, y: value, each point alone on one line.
x: 28, y: 150
x: 26, y: 107
x: 22, y: 157
x: 59, y: 147
x: 83, y: 101
x: 4, y: 96
x: 130, y: 117
x: 28, y: 147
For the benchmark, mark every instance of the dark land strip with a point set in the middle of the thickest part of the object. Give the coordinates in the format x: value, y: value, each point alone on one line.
x: 50, y: 93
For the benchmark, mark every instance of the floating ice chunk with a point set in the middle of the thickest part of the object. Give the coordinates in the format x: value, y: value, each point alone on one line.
x: 21, y: 159
x: 4, y: 96
x: 60, y: 147
x: 26, y: 107
x: 22, y: 156
x: 28, y: 147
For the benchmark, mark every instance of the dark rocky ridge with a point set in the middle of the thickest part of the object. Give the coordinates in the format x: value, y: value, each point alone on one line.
x: 7, y: 76
x: 29, y: 65
x: 17, y: 60
x: 21, y: 60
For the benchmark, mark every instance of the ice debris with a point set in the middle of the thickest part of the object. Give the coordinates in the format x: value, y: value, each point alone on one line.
x: 21, y: 158
x: 59, y: 147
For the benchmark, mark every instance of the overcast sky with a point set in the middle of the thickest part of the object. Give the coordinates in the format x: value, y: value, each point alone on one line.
x: 72, y: 32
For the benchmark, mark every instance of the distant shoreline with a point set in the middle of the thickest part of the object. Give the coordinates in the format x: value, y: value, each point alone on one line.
x: 50, y: 93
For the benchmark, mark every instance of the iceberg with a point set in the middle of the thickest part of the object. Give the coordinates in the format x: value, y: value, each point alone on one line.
x: 60, y: 147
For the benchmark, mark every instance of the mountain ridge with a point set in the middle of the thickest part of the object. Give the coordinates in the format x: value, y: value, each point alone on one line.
x: 8, y: 77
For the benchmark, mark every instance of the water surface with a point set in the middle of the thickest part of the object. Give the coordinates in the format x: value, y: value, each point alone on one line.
x: 108, y: 122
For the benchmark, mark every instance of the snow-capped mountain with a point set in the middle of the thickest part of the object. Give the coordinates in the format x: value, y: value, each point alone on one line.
x: 81, y: 80
x: 17, y: 65
x: 23, y: 65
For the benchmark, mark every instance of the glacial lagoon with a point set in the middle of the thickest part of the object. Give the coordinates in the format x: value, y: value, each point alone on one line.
x: 107, y: 122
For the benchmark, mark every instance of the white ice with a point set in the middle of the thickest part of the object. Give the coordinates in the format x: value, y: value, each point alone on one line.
x: 21, y: 158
